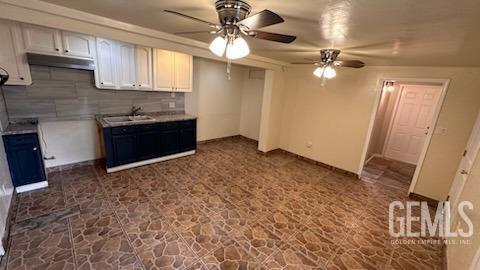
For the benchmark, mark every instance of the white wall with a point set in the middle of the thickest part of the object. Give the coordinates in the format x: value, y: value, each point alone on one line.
x: 69, y: 141
x: 335, y: 118
x: 6, y: 186
x: 251, y: 103
x: 224, y: 107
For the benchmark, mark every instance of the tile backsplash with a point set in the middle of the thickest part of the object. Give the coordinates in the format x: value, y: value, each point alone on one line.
x: 66, y: 93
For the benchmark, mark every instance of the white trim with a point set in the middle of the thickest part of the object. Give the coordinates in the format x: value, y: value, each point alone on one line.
x: 444, y: 83
x: 373, y: 156
x: 373, y: 115
x: 2, y: 250
x: 149, y: 161
x: 476, y: 261
x: 31, y: 187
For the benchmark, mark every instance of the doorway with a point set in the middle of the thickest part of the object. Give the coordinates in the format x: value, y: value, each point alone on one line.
x: 401, y: 127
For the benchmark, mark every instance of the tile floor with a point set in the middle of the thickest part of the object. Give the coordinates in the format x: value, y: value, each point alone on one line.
x: 227, y: 207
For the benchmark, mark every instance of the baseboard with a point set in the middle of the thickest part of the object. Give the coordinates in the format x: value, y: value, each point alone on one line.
x: 149, y: 161
x: 31, y: 187
x: 417, y: 197
x: 226, y: 138
x: 72, y: 165
x: 372, y: 157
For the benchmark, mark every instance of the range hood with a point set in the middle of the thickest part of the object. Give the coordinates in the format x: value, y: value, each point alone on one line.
x: 59, y: 61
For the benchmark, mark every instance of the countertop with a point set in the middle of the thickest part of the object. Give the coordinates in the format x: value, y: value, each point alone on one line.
x: 159, y: 118
x: 21, y: 128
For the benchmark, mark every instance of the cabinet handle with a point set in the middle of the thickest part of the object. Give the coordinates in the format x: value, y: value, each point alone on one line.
x: 66, y: 50
x: 57, y: 49
x: 21, y: 78
x: 35, y: 148
x: 133, y: 84
x: 140, y: 85
x: 101, y: 83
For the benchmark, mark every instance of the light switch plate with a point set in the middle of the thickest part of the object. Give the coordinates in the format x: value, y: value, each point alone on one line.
x: 171, y: 105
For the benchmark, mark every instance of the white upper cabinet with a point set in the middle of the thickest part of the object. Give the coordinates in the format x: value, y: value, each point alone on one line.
x: 144, y: 68
x: 38, y: 39
x: 41, y: 39
x: 126, y: 66
x: 183, y: 72
x: 172, y: 71
x: 163, y: 69
x: 78, y: 45
x: 12, y: 58
x: 105, y: 73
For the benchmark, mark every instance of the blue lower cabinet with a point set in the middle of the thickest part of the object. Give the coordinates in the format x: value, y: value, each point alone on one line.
x: 24, y: 159
x: 124, y: 145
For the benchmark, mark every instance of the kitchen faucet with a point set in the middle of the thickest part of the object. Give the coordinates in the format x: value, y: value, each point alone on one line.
x: 135, y: 110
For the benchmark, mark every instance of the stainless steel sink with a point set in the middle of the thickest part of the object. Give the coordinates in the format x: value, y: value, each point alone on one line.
x: 128, y: 119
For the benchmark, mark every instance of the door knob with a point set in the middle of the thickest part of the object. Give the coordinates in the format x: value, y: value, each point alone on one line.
x: 464, y: 172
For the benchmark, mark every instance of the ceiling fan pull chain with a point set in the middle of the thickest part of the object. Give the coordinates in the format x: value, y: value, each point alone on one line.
x: 229, y: 67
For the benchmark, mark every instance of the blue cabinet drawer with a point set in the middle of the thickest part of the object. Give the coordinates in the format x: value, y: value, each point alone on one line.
x: 168, y: 125
x: 187, y: 124
x: 21, y: 139
x: 147, y: 127
x: 124, y: 130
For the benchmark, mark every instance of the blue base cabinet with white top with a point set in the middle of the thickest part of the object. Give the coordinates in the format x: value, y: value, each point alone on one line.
x: 138, y: 144
x: 24, y: 159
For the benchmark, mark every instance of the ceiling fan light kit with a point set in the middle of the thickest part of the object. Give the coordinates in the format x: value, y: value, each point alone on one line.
x: 234, y: 24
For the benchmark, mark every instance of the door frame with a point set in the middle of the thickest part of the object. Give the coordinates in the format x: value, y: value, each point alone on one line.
x: 379, y: 89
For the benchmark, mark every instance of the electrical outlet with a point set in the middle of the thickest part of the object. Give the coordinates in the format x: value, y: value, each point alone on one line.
x: 171, y: 105
x: 441, y: 131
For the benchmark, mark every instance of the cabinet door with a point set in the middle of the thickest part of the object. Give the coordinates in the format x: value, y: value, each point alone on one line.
x: 183, y: 72
x: 144, y: 68
x: 126, y: 66
x: 105, y: 73
x: 124, y: 149
x: 188, y: 139
x: 169, y: 142
x: 25, y: 162
x: 41, y: 39
x: 163, y: 78
x: 11, y: 57
x: 78, y: 45
x: 148, y: 145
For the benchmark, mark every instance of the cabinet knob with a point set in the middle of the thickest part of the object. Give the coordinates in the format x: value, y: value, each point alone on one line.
x: 133, y: 84
x: 35, y: 148
x: 101, y: 83
x: 66, y: 50
x: 57, y: 49
x: 140, y: 85
x: 21, y: 78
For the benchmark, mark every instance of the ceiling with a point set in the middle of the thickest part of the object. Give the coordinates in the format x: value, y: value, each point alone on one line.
x: 378, y: 32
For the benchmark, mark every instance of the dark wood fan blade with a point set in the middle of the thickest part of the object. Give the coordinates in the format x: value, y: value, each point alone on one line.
x: 272, y: 36
x: 193, y: 18
x: 195, y: 32
x: 349, y: 63
x: 304, y: 63
x: 262, y: 19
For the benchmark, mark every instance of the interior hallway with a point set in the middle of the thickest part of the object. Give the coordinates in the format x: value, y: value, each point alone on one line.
x: 389, y: 172
x: 227, y: 207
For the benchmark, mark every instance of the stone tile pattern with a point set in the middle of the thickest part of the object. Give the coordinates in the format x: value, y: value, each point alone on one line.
x: 65, y: 93
x: 227, y: 207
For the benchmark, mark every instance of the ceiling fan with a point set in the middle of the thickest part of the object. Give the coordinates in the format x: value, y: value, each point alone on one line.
x: 3, y: 76
x: 328, y: 61
x: 234, y: 23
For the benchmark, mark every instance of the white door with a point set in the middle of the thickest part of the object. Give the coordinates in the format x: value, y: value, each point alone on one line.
x: 412, y: 122
x: 163, y: 69
x: 105, y: 71
x: 469, y: 156
x: 79, y: 45
x: 126, y: 66
x: 144, y: 67
x: 41, y: 39
x: 11, y: 57
x: 183, y: 72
